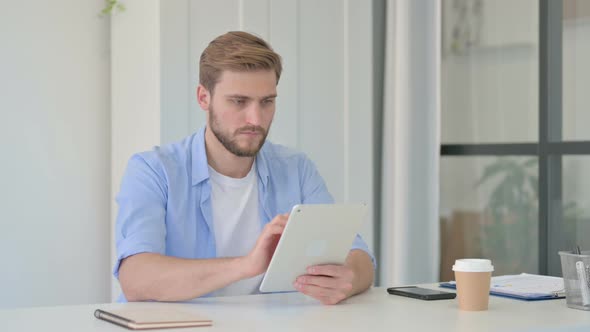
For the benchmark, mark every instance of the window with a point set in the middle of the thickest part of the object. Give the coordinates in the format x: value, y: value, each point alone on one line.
x: 515, y: 132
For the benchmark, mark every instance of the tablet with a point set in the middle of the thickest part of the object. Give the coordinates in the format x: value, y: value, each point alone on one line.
x: 315, y: 234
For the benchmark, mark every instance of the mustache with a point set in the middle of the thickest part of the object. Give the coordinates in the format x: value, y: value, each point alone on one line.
x: 257, y: 129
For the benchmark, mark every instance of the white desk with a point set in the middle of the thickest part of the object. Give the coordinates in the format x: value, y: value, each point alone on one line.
x: 374, y: 310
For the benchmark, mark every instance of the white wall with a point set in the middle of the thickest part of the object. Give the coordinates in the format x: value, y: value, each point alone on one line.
x: 54, y: 168
x: 135, y: 86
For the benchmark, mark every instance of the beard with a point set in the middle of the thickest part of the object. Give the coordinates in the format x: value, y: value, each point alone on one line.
x: 230, y: 141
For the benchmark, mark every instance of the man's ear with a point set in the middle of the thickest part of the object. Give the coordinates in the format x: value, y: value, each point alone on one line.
x: 203, y: 97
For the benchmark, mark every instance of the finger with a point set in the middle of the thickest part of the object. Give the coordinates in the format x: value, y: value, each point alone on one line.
x: 325, y: 295
x: 325, y: 282
x: 314, y: 291
x: 279, y: 219
x: 339, y: 271
x: 331, y: 301
x: 270, y: 232
x: 273, y: 229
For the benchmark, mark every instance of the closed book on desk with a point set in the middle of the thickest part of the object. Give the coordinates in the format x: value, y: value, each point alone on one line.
x: 159, y: 317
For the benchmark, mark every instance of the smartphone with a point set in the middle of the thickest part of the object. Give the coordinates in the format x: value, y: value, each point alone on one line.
x: 421, y: 293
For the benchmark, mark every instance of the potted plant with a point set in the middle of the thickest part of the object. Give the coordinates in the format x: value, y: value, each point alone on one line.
x: 510, y: 224
x: 511, y: 218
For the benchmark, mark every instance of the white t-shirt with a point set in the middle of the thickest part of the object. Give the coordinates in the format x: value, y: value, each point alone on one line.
x: 236, y: 222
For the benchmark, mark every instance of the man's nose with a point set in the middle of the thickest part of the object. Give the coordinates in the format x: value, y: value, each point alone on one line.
x: 254, y: 114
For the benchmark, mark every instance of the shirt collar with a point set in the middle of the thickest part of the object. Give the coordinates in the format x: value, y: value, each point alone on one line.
x: 262, y: 165
x: 200, y: 167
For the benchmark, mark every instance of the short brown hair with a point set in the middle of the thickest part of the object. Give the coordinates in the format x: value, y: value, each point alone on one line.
x: 236, y: 51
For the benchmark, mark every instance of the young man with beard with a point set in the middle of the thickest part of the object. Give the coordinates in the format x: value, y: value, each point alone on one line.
x: 203, y: 216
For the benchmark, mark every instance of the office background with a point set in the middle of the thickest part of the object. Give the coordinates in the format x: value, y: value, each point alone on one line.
x: 370, y: 91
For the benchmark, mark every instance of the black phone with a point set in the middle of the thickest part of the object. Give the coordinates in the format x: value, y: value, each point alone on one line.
x: 421, y: 293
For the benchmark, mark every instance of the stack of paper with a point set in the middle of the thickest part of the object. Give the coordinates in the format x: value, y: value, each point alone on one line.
x: 528, y: 287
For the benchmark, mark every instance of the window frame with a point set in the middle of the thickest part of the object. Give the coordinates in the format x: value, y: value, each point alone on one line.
x: 550, y: 147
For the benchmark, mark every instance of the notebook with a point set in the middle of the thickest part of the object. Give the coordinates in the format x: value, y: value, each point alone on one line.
x: 524, y: 286
x: 154, y: 317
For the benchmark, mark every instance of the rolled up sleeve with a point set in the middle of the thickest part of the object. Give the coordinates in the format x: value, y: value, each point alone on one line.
x: 140, y: 225
x: 360, y: 244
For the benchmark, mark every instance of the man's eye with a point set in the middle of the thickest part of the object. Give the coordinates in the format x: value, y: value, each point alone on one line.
x: 239, y: 101
x: 268, y: 101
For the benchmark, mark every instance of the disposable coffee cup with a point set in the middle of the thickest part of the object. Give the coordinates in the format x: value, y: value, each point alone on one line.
x: 473, y: 277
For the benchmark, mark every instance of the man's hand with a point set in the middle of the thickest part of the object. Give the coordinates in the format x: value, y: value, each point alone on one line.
x: 258, y: 259
x: 150, y: 276
x: 328, y: 283
x: 333, y: 283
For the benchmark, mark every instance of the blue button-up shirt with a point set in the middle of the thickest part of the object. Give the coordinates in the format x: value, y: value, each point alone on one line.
x: 165, y: 197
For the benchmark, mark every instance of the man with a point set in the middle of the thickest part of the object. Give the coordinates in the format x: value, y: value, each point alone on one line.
x: 203, y: 216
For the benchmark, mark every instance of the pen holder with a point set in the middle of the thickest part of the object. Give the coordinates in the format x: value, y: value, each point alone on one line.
x: 576, y: 279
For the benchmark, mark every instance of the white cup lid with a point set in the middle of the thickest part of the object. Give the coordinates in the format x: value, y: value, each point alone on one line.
x: 473, y: 265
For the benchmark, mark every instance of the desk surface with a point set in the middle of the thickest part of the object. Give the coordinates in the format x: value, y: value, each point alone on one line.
x: 374, y: 310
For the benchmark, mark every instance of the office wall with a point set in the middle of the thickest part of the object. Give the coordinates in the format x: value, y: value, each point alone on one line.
x: 54, y: 166
x: 136, y: 97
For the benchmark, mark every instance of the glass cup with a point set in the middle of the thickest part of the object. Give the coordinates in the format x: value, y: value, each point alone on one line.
x: 473, y: 277
x: 575, y: 269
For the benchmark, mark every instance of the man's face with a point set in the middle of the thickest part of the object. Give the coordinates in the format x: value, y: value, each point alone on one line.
x: 241, y: 110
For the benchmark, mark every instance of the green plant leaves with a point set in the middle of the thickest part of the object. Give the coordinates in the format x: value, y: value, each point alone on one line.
x: 111, y: 5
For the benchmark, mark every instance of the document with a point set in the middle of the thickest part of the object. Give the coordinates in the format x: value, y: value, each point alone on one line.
x: 524, y: 286
x: 152, y: 317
